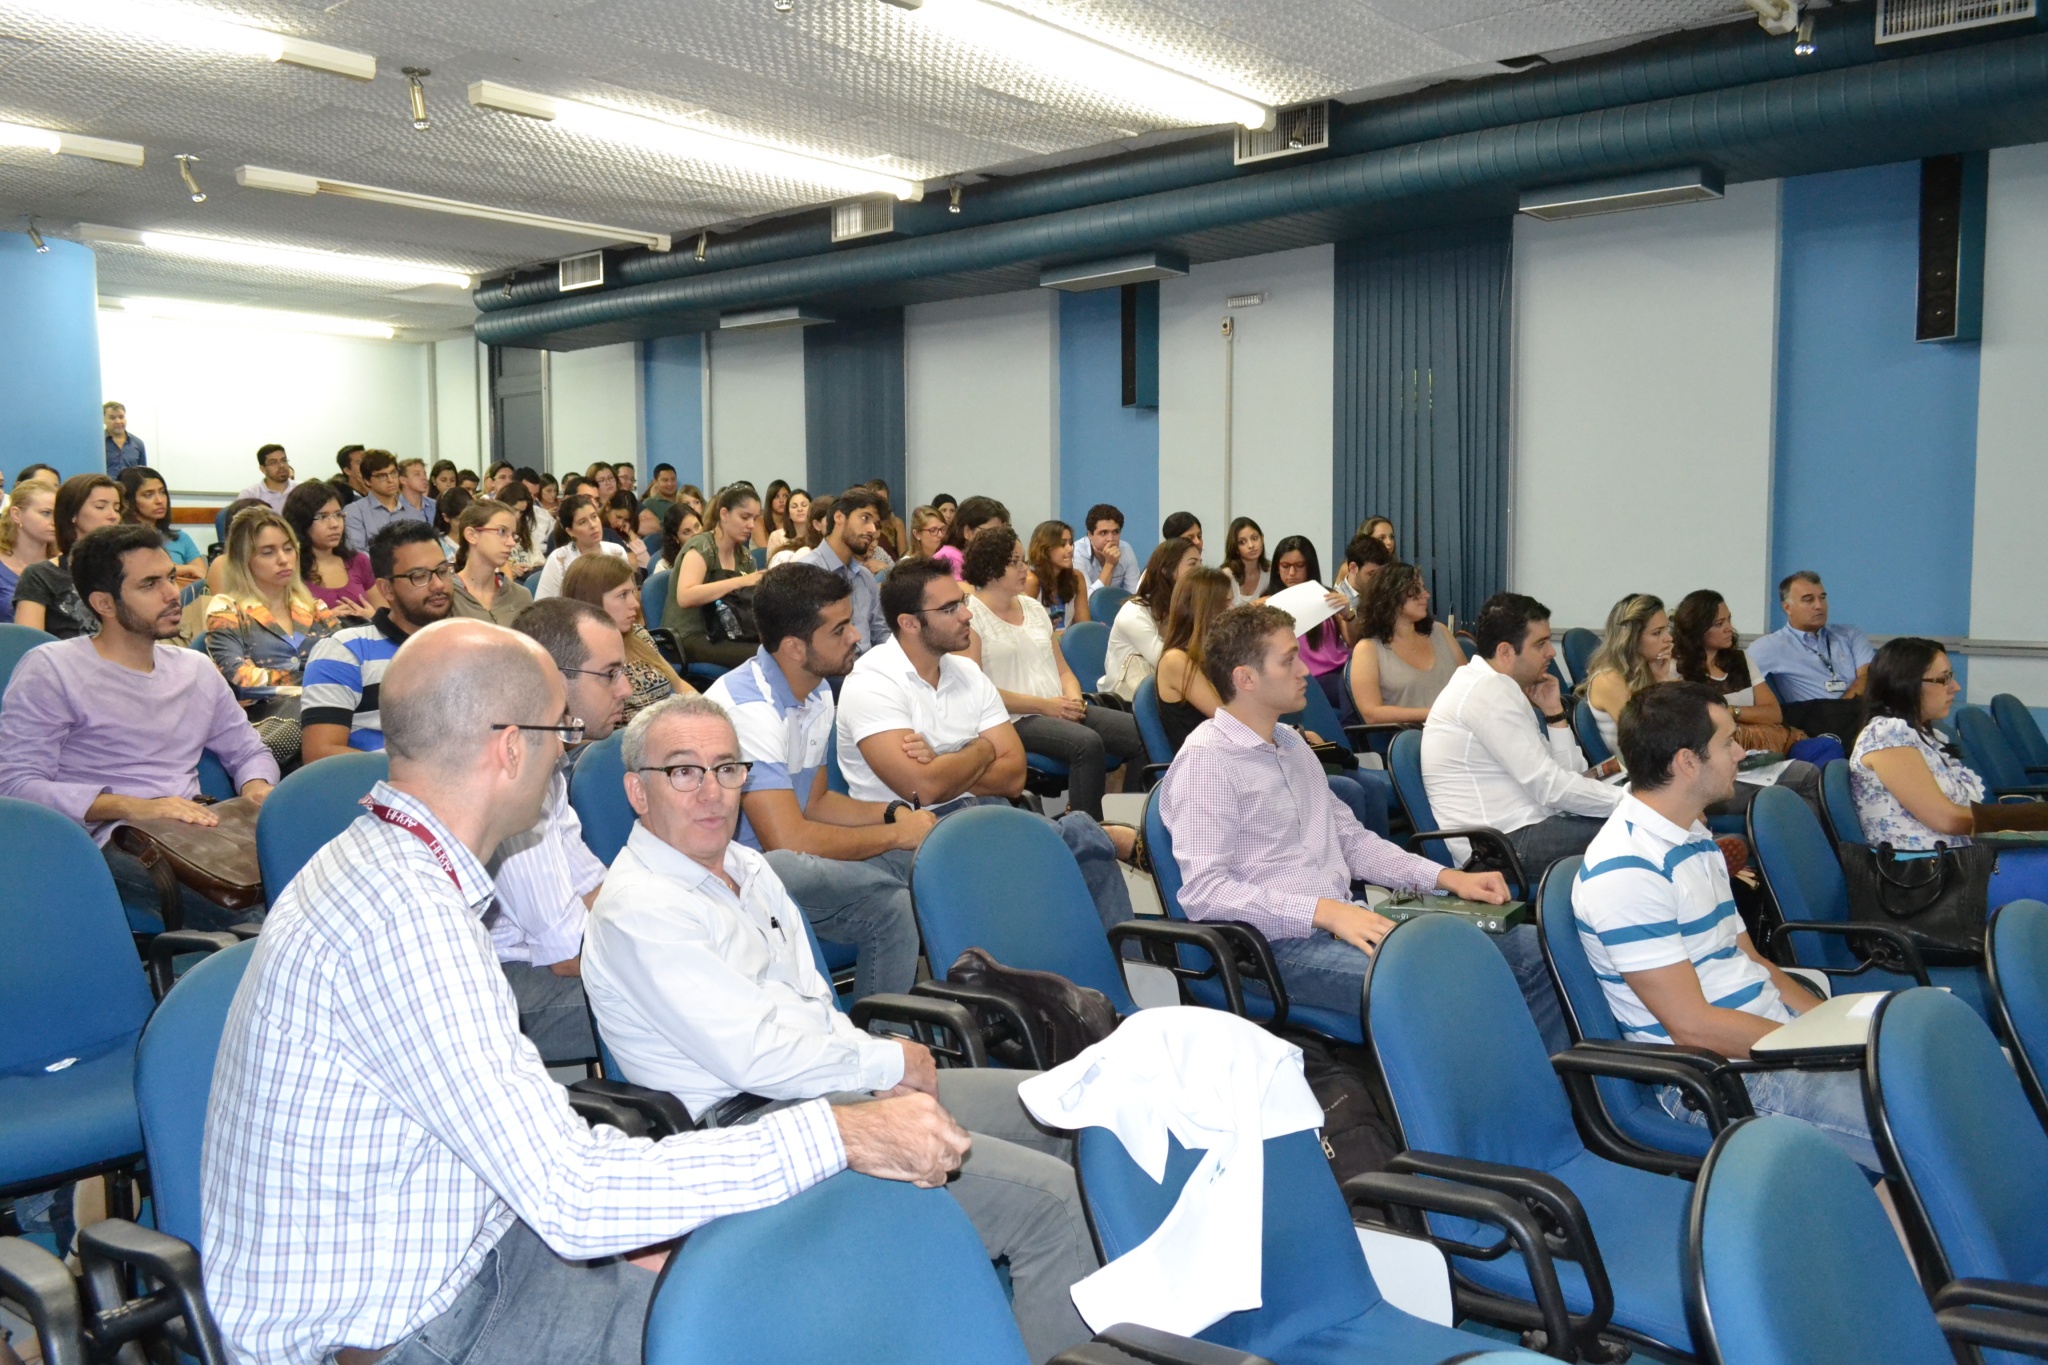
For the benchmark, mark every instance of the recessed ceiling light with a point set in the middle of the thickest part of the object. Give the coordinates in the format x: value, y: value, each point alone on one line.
x: 69, y: 144
x: 692, y: 144
x: 1091, y: 60
x: 261, y: 255
x: 289, y: 182
x: 189, y: 26
x: 232, y: 315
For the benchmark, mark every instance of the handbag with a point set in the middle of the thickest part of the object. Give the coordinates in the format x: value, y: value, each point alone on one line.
x: 217, y: 861
x: 1940, y: 899
x: 1067, y: 1018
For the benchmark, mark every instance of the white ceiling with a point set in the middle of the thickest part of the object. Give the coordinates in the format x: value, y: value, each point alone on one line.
x: 859, y: 80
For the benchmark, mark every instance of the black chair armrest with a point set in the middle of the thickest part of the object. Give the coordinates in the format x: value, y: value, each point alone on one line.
x: 662, y: 1114
x: 1698, y: 1058
x: 1493, y: 841
x: 2008, y: 1295
x: 2032, y: 791
x: 595, y: 1107
x: 1237, y: 952
x: 41, y: 1287
x: 1149, y: 775
x: 1898, y: 940
x: 1999, y: 1330
x: 1134, y: 1343
x: 1394, y: 1190
x: 167, y: 947
x: 927, y: 1016
x: 114, y: 1251
x: 1360, y: 733
x: 1004, y: 1022
x: 1718, y: 1094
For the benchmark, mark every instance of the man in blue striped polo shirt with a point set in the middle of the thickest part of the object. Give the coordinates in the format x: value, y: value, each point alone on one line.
x: 1658, y: 919
x: 338, y: 707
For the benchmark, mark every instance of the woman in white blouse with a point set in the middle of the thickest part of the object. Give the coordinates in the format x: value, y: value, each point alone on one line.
x: 1013, y: 644
x: 584, y: 527
x: 1136, y: 635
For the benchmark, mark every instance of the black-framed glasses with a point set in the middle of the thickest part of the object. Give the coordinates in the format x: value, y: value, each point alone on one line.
x: 687, y: 777
x: 610, y: 675
x: 569, y: 731
x: 419, y: 578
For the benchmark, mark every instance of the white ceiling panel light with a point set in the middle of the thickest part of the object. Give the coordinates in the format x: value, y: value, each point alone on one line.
x: 290, y: 182
x: 233, y: 315
x: 189, y: 26
x: 1071, y: 54
x: 689, y: 143
x: 69, y: 144
x: 262, y: 255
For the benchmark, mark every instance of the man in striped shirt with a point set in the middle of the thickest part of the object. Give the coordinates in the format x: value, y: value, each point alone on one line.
x: 338, y: 708
x: 1658, y: 919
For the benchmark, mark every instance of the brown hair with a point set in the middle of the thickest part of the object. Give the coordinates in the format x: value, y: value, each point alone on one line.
x: 71, y: 498
x: 589, y: 579
x: 1198, y: 599
x: 1055, y: 586
x: 475, y: 517
x: 1237, y: 639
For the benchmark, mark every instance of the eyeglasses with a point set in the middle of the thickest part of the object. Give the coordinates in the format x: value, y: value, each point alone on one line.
x: 329, y: 516
x: 569, y: 731
x: 953, y: 608
x: 687, y: 777
x: 502, y: 531
x: 419, y: 578
x: 1941, y: 679
x: 610, y: 675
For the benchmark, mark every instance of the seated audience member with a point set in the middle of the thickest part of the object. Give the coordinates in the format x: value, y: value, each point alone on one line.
x: 528, y: 542
x: 484, y: 535
x: 692, y: 495
x: 441, y: 478
x: 856, y: 521
x: 1382, y: 530
x: 1322, y: 646
x: 339, y: 708
x: 347, y: 481
x: 45, y: 599
x: 1703, y: 643
x: 1244, y: 559
x: 383, y: 503
x: 789, y: 534
x: 622, y: 527
x: 1135, y: 636
x: 817, y: 526
x: 263, y: 625
x: 607, y: 584
x: 1912, y: 791
x: 927, y: 533
x: 28, y: 535
x: 276, y: 482
x: 1012, y: 643
x: 891, y: 535
x: 710, y: 605
x: 1487, y: 761
x: 702, y: 989
x: 627, y: 478
x: 578, y: 532
x: 974, y: 514
x: 1182, y: 526
x: 678, y: 525
x: 146, y: 501
x: 919, y: 723
x: 1051, y: 579
x: 1103, y: 560
x: 603, y: 481
x: 661, y: 490
x: 371, y: 1067
x: 1260, y: 838
x: 446, y: 510
x: 947, y: 506
x: 337, y: 573
x: 846, y: 862
x: 110, y: 727
x: 1363, y: 558
x: 1820, y: 670
x: 1658, y: 921
x: 415, y: 489
x: 1405, y: 657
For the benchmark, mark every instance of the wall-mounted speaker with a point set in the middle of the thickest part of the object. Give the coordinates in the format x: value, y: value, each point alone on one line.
x: 1951, y: 295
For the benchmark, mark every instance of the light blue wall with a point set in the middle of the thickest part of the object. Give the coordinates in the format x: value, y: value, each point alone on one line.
x: 49, y: 333
x: 672, y: 397
x: 1876, y: 452
x: 1108, y: 452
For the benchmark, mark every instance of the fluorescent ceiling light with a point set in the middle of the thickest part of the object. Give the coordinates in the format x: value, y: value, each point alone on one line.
x: 298, y: 260
x: 1086, y: 59
x: 688, y: 143
x: 69, y: 144
x: 288, y: 182
x: 189, y: 26
x: 762, y: 319
x: 1652, y: 189
x: 230, y: 315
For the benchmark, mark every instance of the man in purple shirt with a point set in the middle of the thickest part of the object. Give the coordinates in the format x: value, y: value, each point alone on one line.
x: 1260, y: 838
x: 110, y: 727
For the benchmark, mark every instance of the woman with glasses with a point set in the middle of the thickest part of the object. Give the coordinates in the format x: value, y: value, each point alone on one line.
x: 1406, y: 657
x: 484, y: 536
x: 336, y: 573
x: 262, y: 626
x: 608, y: 585
x: 580, y: 533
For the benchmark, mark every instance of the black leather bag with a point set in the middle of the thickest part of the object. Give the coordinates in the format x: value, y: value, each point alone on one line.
x: 1068, y: 1018
x: 1941, y: 900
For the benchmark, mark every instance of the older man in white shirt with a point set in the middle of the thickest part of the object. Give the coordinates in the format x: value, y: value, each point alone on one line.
x: 704, y: 984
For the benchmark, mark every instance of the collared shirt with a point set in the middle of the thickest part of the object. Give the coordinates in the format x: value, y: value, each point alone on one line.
x: 707, y: 994
x: 366, y: 516
x: 372, y: 1066
x: 1651, y: 895
x: 274, y: 500
x: 1801, y: 664
x: 1259, y: 836
x: 1130, y: 567
x: 1488, y: 759
x: 885, y: 692
x: 75, y: 727
x: 343, y: 676
x: 542, y: 877
x: 785, y: 739
x: 867, y: 593
x: 128, y: 455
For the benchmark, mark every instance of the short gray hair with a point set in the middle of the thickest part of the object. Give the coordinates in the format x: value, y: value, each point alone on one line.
x: 1797, y: 576
x: 633, y: 746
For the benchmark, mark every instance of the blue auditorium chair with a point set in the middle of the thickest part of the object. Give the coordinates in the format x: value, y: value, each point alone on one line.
x: 654, y: 598
x: 1985, y: 749
x: 16, y: 641
x: 1586, y: 730
x: 1105, y: 603
x: 309, y: 809
x: 1086, y: 644
x: 1577, y: 648
x: 2021, y: 731
x: 2016, y: 962
x: 1404, y: 760
x: 1152, y: 729
x: 1838, y: 803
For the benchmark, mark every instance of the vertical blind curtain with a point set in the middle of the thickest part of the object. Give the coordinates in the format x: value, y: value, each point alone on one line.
x: 853, y: 403
x: 1421, y: 426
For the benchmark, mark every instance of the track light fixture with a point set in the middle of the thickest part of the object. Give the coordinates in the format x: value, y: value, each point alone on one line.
x: 785, y: 6
x: 36, y: 238
x: 953, y: 203
x: 418, y: 92
x: 703, y: 245
x: 291, y: 182
x: 1803, y: 45
x: 70, y: 144
x: 185, y: 161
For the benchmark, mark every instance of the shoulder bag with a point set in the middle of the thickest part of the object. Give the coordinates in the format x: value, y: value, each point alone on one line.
x: 1940, y: 898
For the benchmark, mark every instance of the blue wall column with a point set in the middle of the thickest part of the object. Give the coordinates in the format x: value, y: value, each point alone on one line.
x: 1108, y: 452
x: 50, y: 381
x: 672, y: 404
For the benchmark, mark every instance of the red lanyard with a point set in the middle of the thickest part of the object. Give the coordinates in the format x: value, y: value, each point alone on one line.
x: 425, y: 836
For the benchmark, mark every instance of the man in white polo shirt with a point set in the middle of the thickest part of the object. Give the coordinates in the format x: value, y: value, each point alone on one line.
x: 1658, y: 918
x: 920, y: 723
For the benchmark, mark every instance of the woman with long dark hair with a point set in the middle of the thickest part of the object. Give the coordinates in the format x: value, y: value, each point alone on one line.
x: 580, y: 533
x: 1053, y: 580
x: 1322, y: 646
x: 146, y: 501
x: 1404, y: 658
x: 46, y: 599
x: 774, y: 513
x: 337, y: 573
x: 1244, y: 559
x: 1136, y: 635
x: 1703, y: 644
x: 974, y: 514
x: 711, y: 609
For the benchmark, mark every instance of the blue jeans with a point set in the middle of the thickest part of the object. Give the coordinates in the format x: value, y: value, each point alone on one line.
x: 865, y: 904
x: 1831, y: 1101
x: 1365, y: 794
x: 552, y: 1013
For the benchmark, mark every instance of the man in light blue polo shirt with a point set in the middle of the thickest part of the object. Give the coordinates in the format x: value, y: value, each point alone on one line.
x: 856, y: 525
x: 846, y: 863
x: 1657, y: 917
x: 1819, y: 671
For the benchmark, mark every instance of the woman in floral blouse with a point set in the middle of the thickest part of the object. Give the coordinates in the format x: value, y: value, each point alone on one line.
x: 607, y: 584
x: 263, y: 624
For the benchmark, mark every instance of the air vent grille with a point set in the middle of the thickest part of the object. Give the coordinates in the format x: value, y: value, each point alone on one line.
x: 580, y: 272
x: 1901, y: 19
x: 1296, y: 129
x: 863, y: 218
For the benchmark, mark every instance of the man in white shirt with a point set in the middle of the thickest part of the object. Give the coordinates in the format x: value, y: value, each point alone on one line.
x: 277, y: 482
x: 1101, y: 557
x: 1489, y: 759
x: 704, y: 984
x: 1659, y: 924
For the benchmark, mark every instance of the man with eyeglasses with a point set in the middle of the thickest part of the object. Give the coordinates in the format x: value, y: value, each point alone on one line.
x: 338, y: 708
x: 703, y: 981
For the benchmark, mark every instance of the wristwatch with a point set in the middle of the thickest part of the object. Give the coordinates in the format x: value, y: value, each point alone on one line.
x: 889, y: 813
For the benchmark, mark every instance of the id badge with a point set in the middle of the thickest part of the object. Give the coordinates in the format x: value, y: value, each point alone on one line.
x: 1837, y: 685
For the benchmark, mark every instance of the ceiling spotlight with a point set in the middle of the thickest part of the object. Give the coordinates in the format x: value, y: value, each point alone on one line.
x: 703, y: 245
x: 36, y: 238
x: 1776, y: 17
x: 953, y: 205
x: 785, y: 6
x: 185, y: 160
x: 419, y: 95
x: 1803, y: 45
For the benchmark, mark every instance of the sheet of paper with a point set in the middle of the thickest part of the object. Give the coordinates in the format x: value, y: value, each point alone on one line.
x: 1306, y: 602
